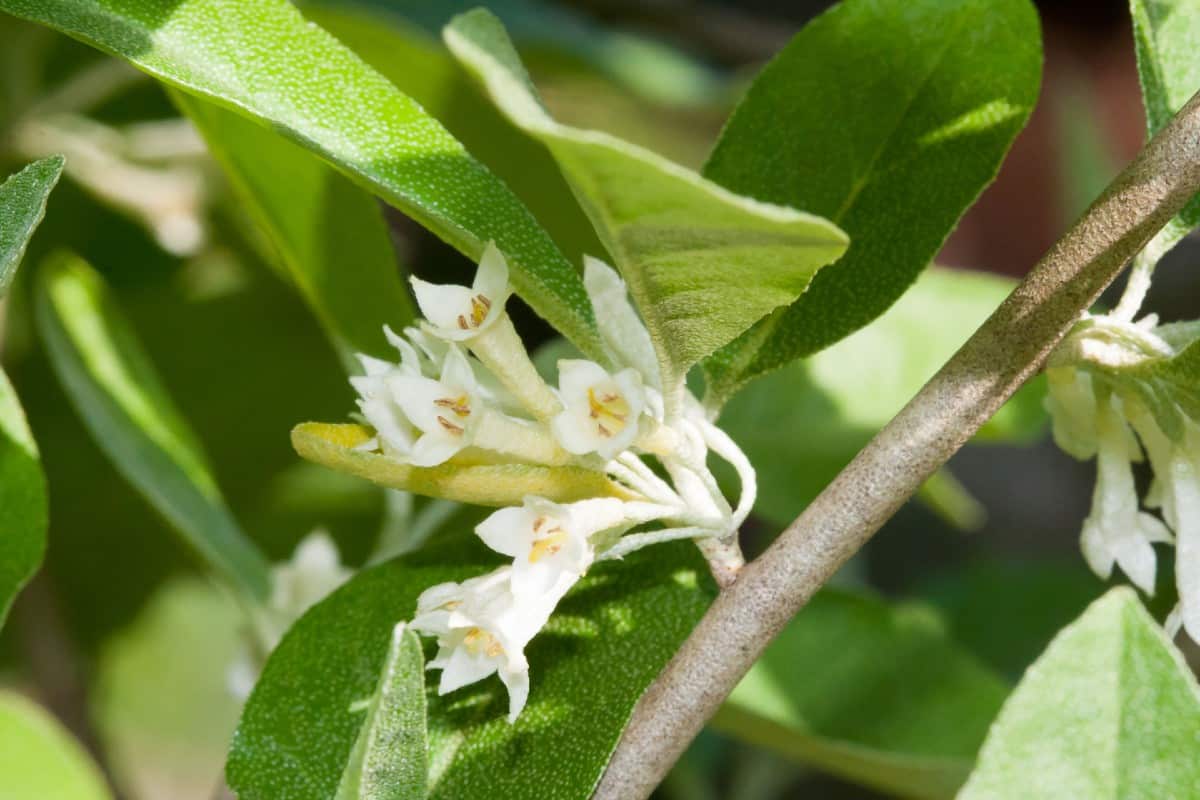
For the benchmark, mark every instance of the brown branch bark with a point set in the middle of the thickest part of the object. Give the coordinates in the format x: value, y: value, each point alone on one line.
x: 1002, y: 355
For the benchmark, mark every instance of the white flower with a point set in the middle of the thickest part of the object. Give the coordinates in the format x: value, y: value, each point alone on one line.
x: 548, y: 540
x: 620, y: 327
x: 1116, y: 530
x: 394, y: 434
x: 458, y: 313
x: 444, y: 410
x: 482, y: 628
x: 1071, y: 402
x: 1181, y: 501
x: 601, y: 411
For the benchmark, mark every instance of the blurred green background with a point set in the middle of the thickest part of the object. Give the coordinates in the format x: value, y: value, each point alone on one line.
x: 124, y: 640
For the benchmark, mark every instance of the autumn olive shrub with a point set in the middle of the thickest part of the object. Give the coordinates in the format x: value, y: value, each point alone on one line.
x: 587, y: 495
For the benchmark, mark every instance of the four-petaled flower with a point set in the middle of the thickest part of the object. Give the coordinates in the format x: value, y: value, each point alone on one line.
x: 481, y: 629
x: 444, y: 410
x: 601, y: 412
x: 458, y: 313
x: 548, y: 540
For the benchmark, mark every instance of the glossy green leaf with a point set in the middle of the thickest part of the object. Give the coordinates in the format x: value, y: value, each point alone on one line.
x: 390, y: 759
x: 702, y: 264
x: 1166, y: 34
x: 605, y: 643
x: 113, y: 386
x: 485, y: 484
x: 23, y: 198
x: 888, y: 117
x: 875, y: 695
x: 328, y: 234
x: 263, y: 59
x: 834, y: 402
x: 23, y: 508
x: 39, y: 759
x: 1110, y: 710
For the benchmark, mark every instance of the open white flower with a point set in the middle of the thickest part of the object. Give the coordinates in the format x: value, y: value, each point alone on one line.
x: 445, y: 411
x: 459, y: 313
x: 548, y: 540
x: 1116, y: 530
x: 601, y: 411
x: 482, y: 628
x: 394, y: 434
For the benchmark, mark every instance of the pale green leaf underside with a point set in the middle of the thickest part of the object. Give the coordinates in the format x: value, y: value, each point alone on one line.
x: 264, y: 60
x: 390, y: 756
x: 702, y: 263
x: 23, y: 199
x: 606, y: 641
x: 889, y: 118
x: 113, y: 385
x: 39, y: 759
x: 876, y: 695
x: 1109, y: 712
x: 1166, y: 37
x: 328, y: 235
x: 485, y: 484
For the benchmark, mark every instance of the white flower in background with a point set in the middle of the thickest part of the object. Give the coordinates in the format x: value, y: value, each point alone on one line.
x: 1117, y: 531
x: 458, y: 313
x: 548, y: 540
x: 312, y: 573
x: 601, y: 411
x: 444, y: 410
x: 482, y: 628
x: 1180, y: 489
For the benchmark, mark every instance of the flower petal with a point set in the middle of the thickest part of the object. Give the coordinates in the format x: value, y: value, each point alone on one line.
x: 507, y: 531
x: 442, y: 305
x: 620, y: 326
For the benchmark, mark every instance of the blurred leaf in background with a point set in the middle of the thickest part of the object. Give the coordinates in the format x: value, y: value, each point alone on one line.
x: 38, y: 758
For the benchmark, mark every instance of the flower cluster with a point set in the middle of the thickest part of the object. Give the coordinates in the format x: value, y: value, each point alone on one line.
x: 1100, y: 409
x: 466, y: 391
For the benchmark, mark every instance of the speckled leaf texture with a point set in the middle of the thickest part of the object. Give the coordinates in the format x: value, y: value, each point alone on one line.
x: 328, y: 235
x: 118, y: 395
x: 390, y: 759
x: 23, y: 508
x: 877, y: 695
x: 702, y: 264
x: 1166, y: 37
x: 889, y: 117
x: 39, y: 759
x: 261, y: 58
x: 606, y: 641
x: 1109, y: 712
x: 23, y: 198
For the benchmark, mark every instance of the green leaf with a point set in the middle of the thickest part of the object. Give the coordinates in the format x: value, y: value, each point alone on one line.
x: 605, y: 643
x: 702, y: 264
x: 483, y: 484
x: 23, y: 198
x: 1165, y: 35
x: 262, y: 59
x: 889, y: 118
x: 389, y: 760
x: 1110, y: 710
x: 873, y: 694
x: 329, y: 235
x: 837, y: 400
x: 40, y: 759
x: 113, y: 386
x: 23, y: 507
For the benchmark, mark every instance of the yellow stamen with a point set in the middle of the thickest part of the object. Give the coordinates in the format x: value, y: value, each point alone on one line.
x: 546, y: 545
x: 480, y: 306
x: 457, y: 430
x: 610, y: 410
x: 478, y: 640
x: 460, y: 405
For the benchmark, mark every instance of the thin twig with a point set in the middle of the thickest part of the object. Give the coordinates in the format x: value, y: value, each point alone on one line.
x: 1003, y: 354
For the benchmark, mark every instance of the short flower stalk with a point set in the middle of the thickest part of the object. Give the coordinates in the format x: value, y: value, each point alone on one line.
x: 464, y: 390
